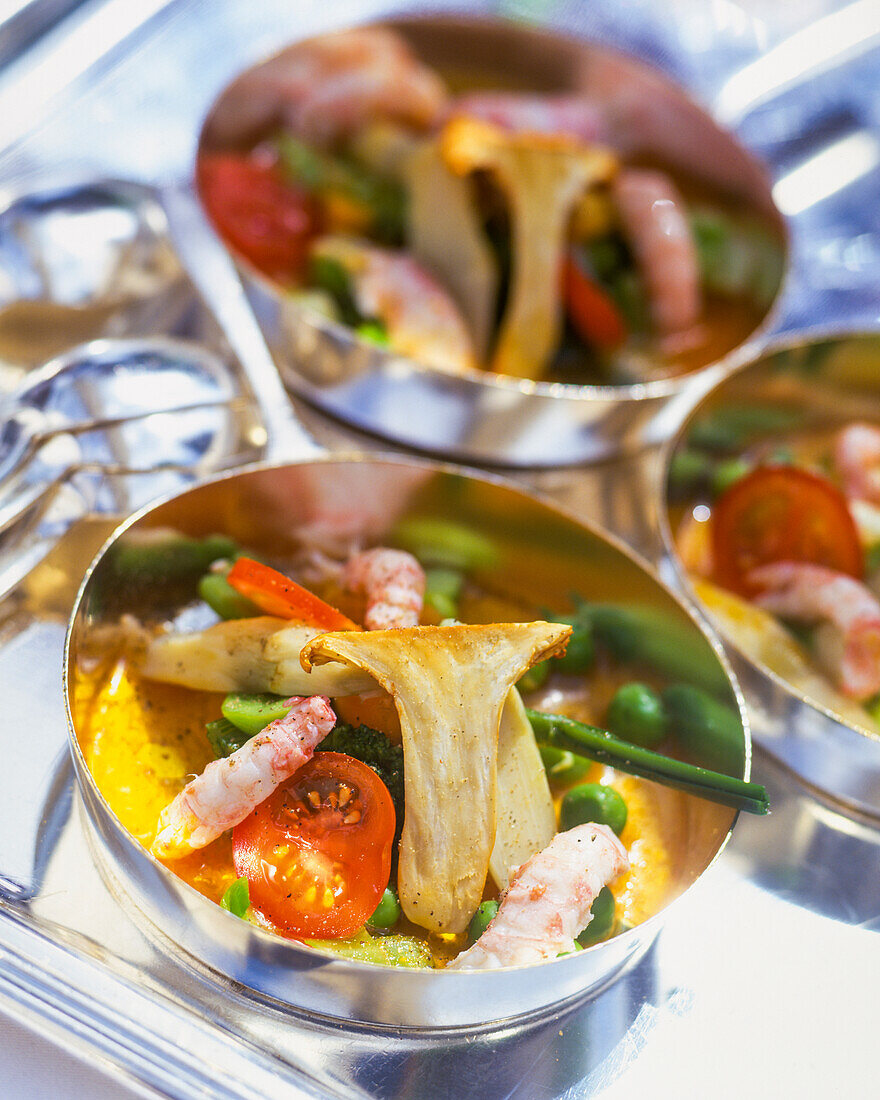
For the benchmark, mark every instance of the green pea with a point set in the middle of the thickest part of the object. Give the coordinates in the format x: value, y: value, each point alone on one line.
x: 562, y: 766
x: 636, y: 714
x: 480, y: 920
x: 603, y: 919
x: 387, y: 912
x: 594, y: 802
x: 236, y: 898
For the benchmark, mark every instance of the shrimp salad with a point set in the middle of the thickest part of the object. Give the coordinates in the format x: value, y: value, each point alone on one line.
x: 510, y: 231
x: 297, y: 752
x: 782, y: 539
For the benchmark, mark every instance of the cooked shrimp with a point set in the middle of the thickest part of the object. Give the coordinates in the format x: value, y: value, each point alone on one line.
x: 654, y: 223
x: 544, y: 114
x: 857, y: 458
x: 421, y: 318
x: 325, y: 88
x: 548, y: 901
x: 394, y: 584
x: 230, y: 788
x: 849, y: 646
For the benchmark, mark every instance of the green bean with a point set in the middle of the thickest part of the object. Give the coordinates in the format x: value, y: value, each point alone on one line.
x: 597, y: 744
x: 394, y: 950
x: 442, y: 542
x: 387, y: 912
x: 580, y: 651
x: 481, y: 919
x: 221, y: 597
x: 442, y: 590
x: 160, y: 555
x: 252, y: 713
x: 603, y: 913
x: 636, y: 714
x: 593, y: 802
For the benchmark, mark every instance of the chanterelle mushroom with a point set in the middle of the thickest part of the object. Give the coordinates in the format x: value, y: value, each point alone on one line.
x: 542, y: 176
x: 449, y: 685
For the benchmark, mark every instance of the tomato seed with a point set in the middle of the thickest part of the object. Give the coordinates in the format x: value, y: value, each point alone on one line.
x: 353, y: 818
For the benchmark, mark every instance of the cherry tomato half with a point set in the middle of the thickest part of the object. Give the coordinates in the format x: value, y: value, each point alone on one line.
x: 266, y: 220
x: 592, y: 310
x: 275, y: 594
x: 317, y: 852
x: 780, y: 513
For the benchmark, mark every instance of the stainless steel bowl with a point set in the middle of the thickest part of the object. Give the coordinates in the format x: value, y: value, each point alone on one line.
x: 542, y: 551
x: 820, y: 380
x: 477, y: 415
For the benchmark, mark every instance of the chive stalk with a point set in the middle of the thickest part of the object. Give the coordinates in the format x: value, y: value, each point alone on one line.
x: 562, y: 732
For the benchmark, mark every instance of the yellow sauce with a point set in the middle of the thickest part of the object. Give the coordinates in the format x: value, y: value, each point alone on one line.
x: 142, y: 740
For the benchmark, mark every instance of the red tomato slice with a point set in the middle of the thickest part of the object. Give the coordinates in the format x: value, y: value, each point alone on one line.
x: 278, y: 595
x: 780, y: 513
x: 593, y: 313
x: 266, y: 220
x: 317, y: 852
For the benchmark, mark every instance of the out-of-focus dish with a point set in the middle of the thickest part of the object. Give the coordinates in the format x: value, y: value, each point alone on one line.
x: 141, y: 733
x: 773, y: 491
x: 586, y: 226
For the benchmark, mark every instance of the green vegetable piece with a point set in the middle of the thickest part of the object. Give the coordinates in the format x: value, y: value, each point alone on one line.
x: 593, y: 802
x: 580, y: 651
x: 159, y: 556
x: 535, y: 677
x: 252, y: 713
x: 728, y: 473
x: 560, y: 731
x: 236, y: 898
x: 374, y: 332
x: 329, y: 275
x: 689, y: 470
x: 872, y: 558
x: 441, y: 542
x: 628, y: 292
x: 387, y: 912
x: 481, y: 919
x: 603, y: 912
x: 704, y: 726
x: 872, y: 706
x: 733, y: 427
x: 394, y: 950
x: 224, y: 737
x: 563, y: 767
x: 659, y: 640
x: 636, y: 714
x: 442, y: 589
x: 221, y: 597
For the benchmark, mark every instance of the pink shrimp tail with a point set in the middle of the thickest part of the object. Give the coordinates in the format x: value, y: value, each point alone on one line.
x: 394, y: 584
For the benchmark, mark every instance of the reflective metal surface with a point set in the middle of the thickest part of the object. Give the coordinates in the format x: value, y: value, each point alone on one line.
x: 476, y: 415
x: 81, y: 261
x: 818, y: 384
x: 106, y: 428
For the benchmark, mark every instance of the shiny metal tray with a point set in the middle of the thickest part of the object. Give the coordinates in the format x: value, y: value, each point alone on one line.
x: 764, y: 977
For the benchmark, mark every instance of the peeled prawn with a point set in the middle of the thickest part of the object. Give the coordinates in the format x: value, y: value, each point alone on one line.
x: 857, y: 458
x: 394, y: 584
x: 654, y: 223
x: 326, y: 88
x: 849, y: 612
x: 230, y: 788
x: 548, y: 901
x: 421, y: 318
x: 571, y: 115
